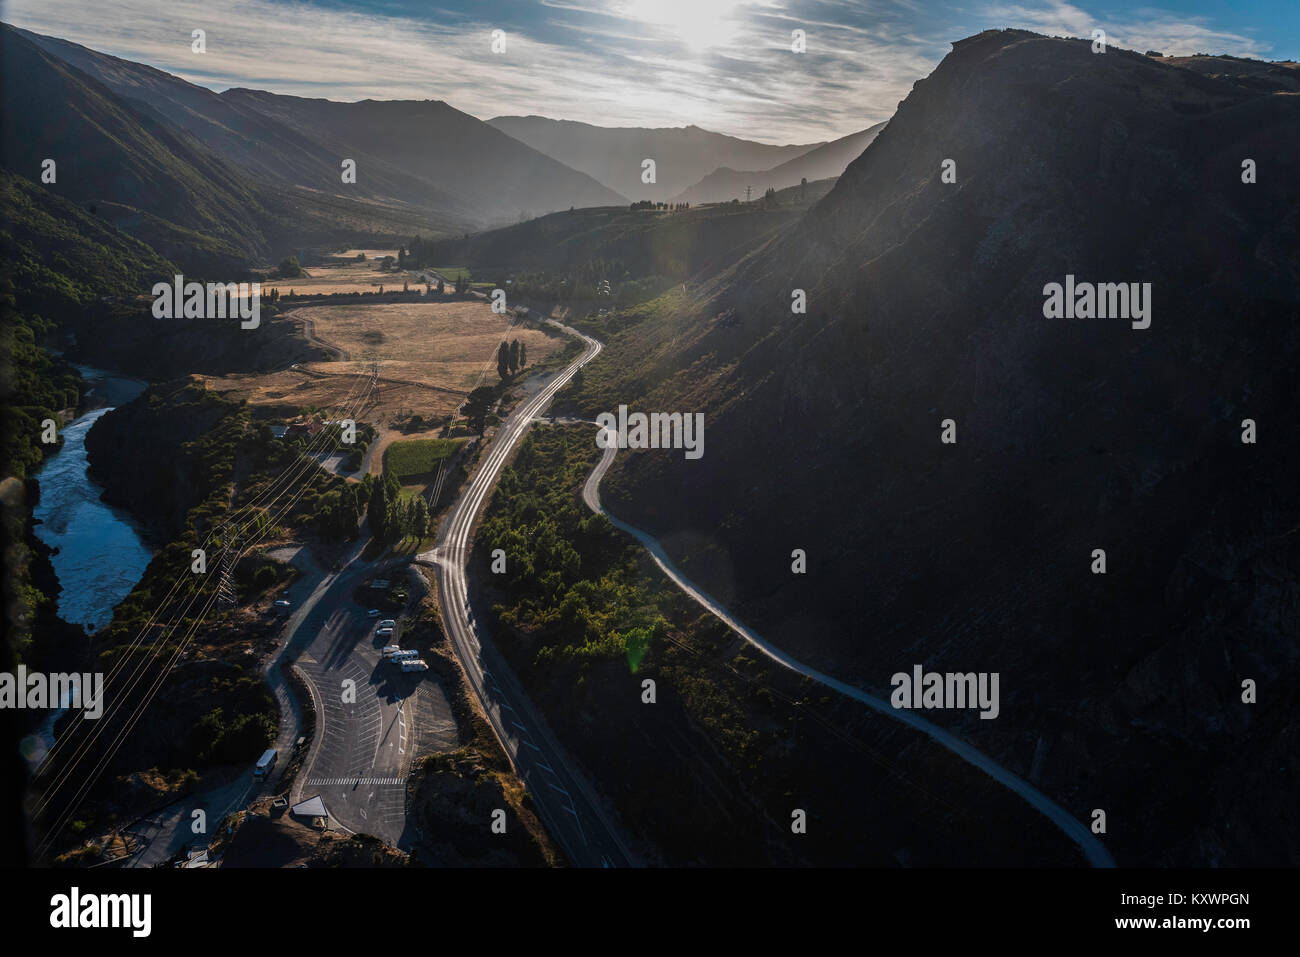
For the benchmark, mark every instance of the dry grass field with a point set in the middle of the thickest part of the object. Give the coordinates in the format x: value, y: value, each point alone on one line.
x: 430, y: 355
x: 364, y: 276
x: 369, y: 253
x: 441, y: 344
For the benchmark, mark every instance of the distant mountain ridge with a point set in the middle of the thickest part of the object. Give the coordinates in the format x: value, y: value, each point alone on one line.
x: 493, y: 176
x: 138, y: 170
x: 142, y: 173
x: 826, y: 161
x: 452, y: 170
x: 614, y: 155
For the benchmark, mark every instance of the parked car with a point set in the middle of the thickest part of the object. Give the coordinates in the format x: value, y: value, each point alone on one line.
x: 387, y: 623
x: 416, y: 664
x: 390, y: 650
x: 410, y: 654
x: 373, y: 613
x: 384, y: 633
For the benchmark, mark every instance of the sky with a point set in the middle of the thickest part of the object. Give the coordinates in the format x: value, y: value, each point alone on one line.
x: 725, y: 65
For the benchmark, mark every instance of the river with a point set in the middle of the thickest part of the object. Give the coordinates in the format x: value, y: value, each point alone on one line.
x: 101, y: 552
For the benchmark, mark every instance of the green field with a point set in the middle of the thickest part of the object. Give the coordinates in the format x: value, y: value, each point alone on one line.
x: 417, y: 458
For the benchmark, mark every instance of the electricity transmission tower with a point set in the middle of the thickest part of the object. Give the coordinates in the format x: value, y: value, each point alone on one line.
x: 226, y: 584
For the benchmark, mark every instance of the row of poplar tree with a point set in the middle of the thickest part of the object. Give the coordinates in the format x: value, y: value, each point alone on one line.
x: 511, y: 358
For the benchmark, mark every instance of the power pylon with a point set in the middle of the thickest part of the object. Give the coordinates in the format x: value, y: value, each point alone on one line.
x: 226, y: 597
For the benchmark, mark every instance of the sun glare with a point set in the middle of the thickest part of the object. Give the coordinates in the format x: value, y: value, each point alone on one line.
x: 700, y: 24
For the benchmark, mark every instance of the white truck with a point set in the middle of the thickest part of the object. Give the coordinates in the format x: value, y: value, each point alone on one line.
x: 265, y: 763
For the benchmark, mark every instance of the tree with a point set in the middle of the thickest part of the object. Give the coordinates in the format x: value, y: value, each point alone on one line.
x: 477, y: 406
x: 421, y: 522
x: 523, y: 354
x: 803, y: 189
x: 512, y: 357
x: 377, y: 510
x: 289, y: 268
x: 503, y: 360
x: 441, y: 288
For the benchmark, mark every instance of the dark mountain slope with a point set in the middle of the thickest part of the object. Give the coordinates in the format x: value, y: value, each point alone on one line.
x: 490, y: 174
x: 131, y: 160
x: 126, y: 159
x: 60, y: 257
x: 829, y: 160
x: 613, y: 155
x: 273, y: 151
x: 926, y: 303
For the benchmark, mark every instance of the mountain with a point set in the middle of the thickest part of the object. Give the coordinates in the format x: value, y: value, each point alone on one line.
x: 445, y: 171
x: 239, y: 134
x: 614, y: 155
x: 926, y: 303
x: 828, y: 160
x: 126, y: 162
x: 493, y: 177
x: 137, y: 170
x: 59, y: 256
x: 616, y: 242
x: 272, y: 151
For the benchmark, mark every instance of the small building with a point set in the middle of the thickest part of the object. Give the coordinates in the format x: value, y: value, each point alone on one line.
x: 314, y: 810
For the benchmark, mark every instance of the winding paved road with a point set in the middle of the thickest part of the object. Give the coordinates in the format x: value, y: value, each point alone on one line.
x: 1093, y: 849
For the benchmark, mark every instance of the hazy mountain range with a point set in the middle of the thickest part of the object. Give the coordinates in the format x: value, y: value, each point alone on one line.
x: 823, y: 162
x: 682, y: 155
x: 171, y: 162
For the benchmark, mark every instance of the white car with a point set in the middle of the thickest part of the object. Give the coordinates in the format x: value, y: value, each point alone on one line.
x: 410, y: 654
x: 390, y: 650
x: 387, y: 623
x: 416, y: 664
x: 384, y: 633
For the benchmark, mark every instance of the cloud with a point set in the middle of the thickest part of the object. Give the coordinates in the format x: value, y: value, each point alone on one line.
x: 622, y: 62
x: 724, y: 65
x: 1138, y: 29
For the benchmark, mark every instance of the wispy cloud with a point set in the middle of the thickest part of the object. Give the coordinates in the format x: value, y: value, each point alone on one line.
x: 1137, y: 29
x: 721, y: 64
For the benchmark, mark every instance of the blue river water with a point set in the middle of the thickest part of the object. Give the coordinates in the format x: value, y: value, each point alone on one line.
x: 101, y: 551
